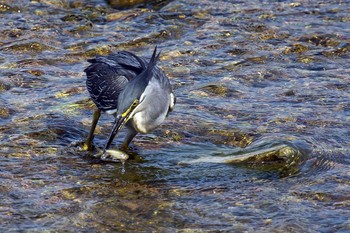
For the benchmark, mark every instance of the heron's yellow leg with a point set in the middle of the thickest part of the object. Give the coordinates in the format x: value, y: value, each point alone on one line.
x: 87, y: 145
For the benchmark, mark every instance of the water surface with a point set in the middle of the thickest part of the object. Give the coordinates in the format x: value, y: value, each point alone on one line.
x: 268, y: 79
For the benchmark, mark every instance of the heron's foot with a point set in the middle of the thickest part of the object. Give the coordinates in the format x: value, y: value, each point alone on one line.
x: 86, y: 146
x: 123, y: 147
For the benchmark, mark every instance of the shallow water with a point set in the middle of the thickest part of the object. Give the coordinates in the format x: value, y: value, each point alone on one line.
x: 251, y: 78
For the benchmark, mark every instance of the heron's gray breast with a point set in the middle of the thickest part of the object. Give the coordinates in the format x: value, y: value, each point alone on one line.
x: 153, y: 107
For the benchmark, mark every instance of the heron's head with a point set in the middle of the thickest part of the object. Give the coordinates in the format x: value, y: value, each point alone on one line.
x: 127, y: 114
x: 131, y: 97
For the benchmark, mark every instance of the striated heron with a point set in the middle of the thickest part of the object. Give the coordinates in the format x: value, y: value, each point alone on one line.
x: 136, y: 92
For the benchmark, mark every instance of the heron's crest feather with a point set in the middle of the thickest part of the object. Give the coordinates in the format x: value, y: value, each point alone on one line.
x: 151, y: 65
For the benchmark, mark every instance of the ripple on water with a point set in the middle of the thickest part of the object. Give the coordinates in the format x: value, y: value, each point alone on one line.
x: 262, y: 86
x: 266, y: 154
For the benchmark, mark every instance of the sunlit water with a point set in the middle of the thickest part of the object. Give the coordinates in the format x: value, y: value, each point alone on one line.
x: 263, y: 79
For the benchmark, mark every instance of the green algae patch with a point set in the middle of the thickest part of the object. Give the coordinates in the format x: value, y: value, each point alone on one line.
x: 124, y: 4
x: 6, y: 112
x: 74, y: 109
x: 29, y: 47
x: 306, y: 60
x: 69, y: 92
x: 229, y: 137
x: 173, y: 135
x: 42, y: 135
x: 215, y: 90
x: 320, y: 40
x: 339, y: 51
x: 4, y: 86
x: 36, y: 72
x: 4, y: 8
x: 296, y: 48
x: 100, y: 50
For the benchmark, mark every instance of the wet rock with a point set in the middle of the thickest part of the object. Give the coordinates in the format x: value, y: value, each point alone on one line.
x: 306, y: 59
x: 122, y: 15
x: 36, y: 72
x: 258, y: 60
x: 175, y: 136
x: 81, y: 28
x: 171, y: 55
x: 255, y: 27
x: 29, y: 47
x: 100, y: 50
x: 236, y: 52
x: 74, y: 109
x: 281, y: 158
x: 289, y: 93
x: 320, y: 40
x: 296, y: 48
x: 73, y: 18
x: 125, y: 4
x: 70, y: 91
x: 339, y: 51
x: 43, y: 135
x: 229, y: 137
x: 8, y: 8
x: 178, y: 71
x: 215, y: 90
x: 5, y: 112
x: 13, y: 33
x: 275, y: 154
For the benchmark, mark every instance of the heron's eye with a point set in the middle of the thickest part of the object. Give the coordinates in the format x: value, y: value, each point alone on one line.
x: 135, y: 103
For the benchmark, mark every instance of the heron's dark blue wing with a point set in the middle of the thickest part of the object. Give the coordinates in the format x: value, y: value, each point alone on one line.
x: 107, y: 77
x: 104, y: 84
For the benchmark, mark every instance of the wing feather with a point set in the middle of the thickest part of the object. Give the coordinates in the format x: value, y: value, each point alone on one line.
x: 108, y: 75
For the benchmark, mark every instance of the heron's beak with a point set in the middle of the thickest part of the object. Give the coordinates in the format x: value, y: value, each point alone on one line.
x: 120, y: 121
x: 118, y: 124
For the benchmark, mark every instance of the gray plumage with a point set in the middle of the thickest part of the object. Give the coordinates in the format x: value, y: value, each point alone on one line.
x: 116, y: 81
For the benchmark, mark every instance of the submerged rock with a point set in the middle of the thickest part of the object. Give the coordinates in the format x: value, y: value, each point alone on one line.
x: 4, y: 86
x: 277, y: 154
x: 124, y: 4
x: 8, y: 8
x: 29, y: 47
x: 281, y: 158
x: 6, y: 112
